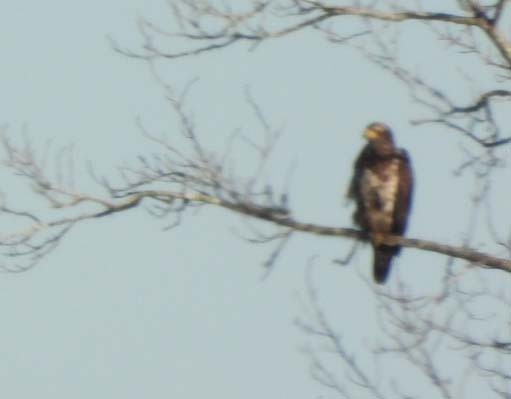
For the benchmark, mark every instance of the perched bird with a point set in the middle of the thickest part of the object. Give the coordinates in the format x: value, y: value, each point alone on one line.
x: 381, y: 186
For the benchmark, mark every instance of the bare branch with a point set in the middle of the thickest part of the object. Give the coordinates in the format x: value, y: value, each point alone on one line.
x: 277, y: 216
x: 246, y: 25
x: 482, y: 102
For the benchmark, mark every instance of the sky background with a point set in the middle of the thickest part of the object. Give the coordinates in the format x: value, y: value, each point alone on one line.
x: 124, y: 309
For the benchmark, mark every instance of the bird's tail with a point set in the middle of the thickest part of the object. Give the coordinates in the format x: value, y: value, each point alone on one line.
x: 383, y: 255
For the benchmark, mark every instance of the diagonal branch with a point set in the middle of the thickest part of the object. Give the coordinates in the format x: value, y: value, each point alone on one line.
x: 481, y: 102
x: 279, y: 217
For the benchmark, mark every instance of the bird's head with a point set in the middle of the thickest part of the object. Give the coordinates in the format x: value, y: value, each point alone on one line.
x: 379, y: 137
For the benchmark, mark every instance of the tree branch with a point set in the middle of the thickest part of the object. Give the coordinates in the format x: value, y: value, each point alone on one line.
x: 481, y: 102
x: 280, y: 217
x: 245, y: 26
x: 277, y: 216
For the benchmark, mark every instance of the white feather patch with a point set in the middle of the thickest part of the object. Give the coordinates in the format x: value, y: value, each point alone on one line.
x: 379, y: 191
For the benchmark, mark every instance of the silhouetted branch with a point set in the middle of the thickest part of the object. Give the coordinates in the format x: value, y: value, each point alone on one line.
x: 482, y: 102
x: 256, y: 21
x: 278, y: 216
x: 318, y: 326
x: 247, y: 25
x: 171, y: 183
x: 465, y: 319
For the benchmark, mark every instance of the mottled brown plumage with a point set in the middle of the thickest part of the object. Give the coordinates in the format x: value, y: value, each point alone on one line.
x: 381, y: 186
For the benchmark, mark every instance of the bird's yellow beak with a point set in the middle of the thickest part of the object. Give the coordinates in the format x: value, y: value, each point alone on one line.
x: 370, y: 134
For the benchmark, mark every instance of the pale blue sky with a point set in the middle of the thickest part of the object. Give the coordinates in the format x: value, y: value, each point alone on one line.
x: 122, y: 309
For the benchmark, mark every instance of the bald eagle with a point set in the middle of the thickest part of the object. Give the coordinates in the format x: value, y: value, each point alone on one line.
x: 381, y: 186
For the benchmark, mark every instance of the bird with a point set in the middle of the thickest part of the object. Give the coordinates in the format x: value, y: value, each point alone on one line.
x: 382, y: 188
